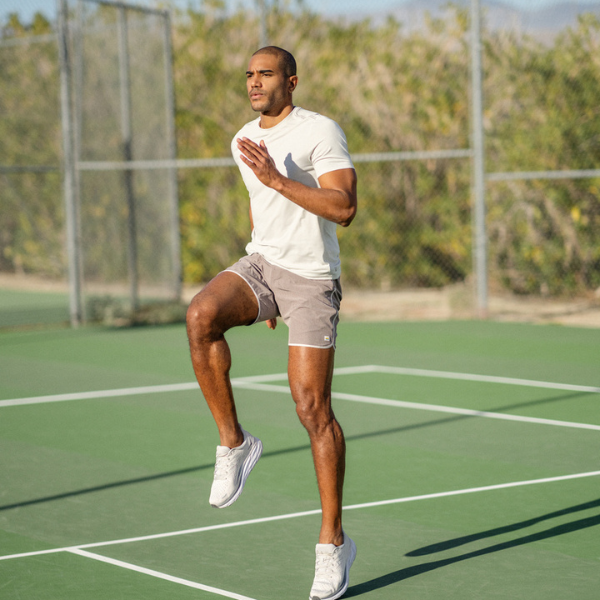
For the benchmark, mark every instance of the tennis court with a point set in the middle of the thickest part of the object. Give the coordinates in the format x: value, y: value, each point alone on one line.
x: 472, y: 448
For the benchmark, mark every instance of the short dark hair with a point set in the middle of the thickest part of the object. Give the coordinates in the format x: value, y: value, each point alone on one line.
x: 286, y: 60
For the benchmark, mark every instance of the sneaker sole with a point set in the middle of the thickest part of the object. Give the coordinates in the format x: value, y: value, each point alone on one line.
x: 249, y: 464
x: 344, y: 587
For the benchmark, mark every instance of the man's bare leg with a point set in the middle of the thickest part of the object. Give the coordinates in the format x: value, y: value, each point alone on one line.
x: 310, y: 372
x: 227, y: 301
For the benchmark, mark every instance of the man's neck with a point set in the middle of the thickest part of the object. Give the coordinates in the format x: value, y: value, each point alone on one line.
x: 268, y: 120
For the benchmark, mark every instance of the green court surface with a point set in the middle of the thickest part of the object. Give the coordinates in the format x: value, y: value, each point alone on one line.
x: 19, y: 307
x: 473, y: 465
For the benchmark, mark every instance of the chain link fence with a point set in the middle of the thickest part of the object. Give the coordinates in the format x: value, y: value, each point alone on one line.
x: 123, y: 116
x: 400, y: 83
x: 85, y: 101
x: 543, y: 152
x: 31, y: 210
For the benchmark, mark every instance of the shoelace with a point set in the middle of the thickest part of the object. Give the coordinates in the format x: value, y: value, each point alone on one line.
x: 325, y: 564
x: 223, y: 466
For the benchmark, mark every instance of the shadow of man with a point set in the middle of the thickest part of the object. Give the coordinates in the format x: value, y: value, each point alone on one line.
x: 413, y: 571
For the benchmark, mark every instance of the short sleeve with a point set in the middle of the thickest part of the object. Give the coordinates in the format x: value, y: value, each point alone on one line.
x: 330, y: 152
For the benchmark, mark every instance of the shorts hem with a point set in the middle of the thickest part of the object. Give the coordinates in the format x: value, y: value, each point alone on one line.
x: 312, y: 346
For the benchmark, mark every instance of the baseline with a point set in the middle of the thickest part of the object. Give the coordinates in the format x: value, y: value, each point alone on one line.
x: 156, y: 536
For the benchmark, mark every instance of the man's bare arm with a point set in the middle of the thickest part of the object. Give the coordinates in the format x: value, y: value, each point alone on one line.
x: 335, y: 200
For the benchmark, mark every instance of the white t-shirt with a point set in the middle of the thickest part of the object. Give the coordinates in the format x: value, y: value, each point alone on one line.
x: 304, y: 146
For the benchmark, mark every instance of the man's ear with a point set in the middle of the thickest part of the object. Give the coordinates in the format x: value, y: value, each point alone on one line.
x: 293, y: 82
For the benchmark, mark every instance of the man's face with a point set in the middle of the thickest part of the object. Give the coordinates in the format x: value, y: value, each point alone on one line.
x: 269, y: 89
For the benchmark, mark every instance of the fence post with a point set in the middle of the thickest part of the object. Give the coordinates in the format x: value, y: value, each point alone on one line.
x: 479, y: 233
x: 69, y: 174
x: 263, y: 14
x: 127, y: 140
x: 172, y: 154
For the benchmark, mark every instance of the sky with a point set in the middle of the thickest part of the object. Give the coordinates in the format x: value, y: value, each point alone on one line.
x: 27, y: 8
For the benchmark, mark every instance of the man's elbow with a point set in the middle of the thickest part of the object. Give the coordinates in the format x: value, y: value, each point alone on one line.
x: 347, y: 216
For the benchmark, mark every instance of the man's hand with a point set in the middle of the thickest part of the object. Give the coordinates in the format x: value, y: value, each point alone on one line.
x: 257, y: 157
x: 271, y: 323
x: 334, y: 199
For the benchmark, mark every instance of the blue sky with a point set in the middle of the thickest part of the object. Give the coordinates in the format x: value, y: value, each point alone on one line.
x: 27, y: 8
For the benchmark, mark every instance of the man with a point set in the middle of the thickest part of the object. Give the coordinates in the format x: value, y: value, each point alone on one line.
x: 302, y: 183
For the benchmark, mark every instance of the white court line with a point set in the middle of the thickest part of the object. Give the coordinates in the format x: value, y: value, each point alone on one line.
x: 157, y: 536
x: 220, y: 592
x: 485, y: 378
x: 253, y: 383
x: 134, y: 391
x: 464, y: 411
x: 178, y: 387
x: 149, y: 389
x: 486, y: 488
x: 419, y: 406
x: 151, y: 572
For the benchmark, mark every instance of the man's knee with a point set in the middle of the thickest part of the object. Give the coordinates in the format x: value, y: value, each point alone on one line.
x: 227, y: 301
x: 314, y: 413
x: 202, y: 317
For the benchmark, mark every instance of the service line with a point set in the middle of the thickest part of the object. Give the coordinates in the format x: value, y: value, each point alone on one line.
x: 180, y: 387
x: 422, y: 406
x: 156, y: 536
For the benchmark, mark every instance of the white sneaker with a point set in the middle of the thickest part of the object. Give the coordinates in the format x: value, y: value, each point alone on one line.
x: 232, y: 468
x: 332, y: 570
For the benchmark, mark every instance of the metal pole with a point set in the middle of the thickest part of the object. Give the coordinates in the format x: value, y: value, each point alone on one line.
x: 172, y: 154
x: 127, y: 138
x: 263, y: 38
x: 69, y: 171
x: 77, y: 129
x: 479, y: 234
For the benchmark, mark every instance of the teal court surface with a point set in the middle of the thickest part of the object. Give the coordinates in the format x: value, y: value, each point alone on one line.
x: 473, y: 465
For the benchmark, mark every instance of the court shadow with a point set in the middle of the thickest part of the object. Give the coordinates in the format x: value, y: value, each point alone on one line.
x: 415, y: 570
x: 188, y: 470
x: 461, y: 541
x: 105, y: 486
x: 290, y: 450
x: 540, y: 401
x: 138, y: 480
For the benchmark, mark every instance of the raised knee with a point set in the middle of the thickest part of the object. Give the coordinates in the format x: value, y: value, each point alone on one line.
x: 201, y: 317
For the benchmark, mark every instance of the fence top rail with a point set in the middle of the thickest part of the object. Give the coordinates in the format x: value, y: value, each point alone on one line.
x: 524, y: 175
x: 207, y: 163
x: 191, y: 163
x: 411, y: 155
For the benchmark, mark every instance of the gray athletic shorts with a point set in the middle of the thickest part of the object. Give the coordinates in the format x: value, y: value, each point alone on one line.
x: 309, y: 307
